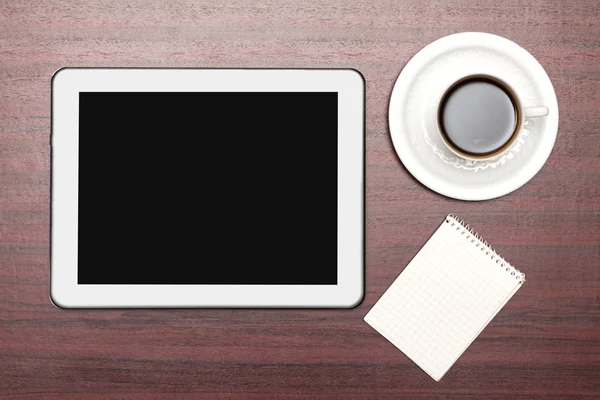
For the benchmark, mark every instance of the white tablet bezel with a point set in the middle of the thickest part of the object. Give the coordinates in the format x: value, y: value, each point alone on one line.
x: 66, y: 85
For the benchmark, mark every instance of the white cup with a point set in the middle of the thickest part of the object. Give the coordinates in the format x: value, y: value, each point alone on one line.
x: 521, y: 114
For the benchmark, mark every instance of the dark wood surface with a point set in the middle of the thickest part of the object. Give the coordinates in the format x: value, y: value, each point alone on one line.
x: 545, y: 344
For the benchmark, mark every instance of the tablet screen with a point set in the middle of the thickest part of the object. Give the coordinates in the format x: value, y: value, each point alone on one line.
x: 208, y: 188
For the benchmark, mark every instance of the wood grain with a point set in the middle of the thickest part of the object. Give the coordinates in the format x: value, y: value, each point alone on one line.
x: 544, y: 345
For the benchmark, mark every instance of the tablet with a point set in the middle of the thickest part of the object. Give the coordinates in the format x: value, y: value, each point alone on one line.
x: 207, y: 188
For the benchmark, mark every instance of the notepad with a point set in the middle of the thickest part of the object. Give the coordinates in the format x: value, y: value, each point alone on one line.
x: 445, y: 297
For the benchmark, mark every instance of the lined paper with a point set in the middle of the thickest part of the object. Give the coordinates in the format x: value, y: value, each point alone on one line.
x: 443, y: 299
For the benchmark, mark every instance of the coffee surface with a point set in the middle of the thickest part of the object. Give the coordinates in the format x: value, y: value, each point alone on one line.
x: 478, y: 117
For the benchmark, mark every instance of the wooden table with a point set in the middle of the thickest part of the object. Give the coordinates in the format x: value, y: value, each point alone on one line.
x: 545, y: 344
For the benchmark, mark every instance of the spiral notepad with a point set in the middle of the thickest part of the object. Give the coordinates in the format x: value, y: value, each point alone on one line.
x: 444, y: 298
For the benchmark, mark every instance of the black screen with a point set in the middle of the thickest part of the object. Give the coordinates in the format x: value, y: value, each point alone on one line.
x: 207, y: 188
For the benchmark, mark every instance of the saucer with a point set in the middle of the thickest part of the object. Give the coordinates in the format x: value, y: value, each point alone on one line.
x: 413, y: 116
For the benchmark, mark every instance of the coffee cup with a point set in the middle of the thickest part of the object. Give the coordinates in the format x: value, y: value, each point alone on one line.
x: 480, y: 117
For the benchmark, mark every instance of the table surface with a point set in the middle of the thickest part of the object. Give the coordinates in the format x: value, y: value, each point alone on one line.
x: 545, y: 344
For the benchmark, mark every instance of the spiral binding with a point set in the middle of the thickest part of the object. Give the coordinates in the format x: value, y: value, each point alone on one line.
x: 469, y: 233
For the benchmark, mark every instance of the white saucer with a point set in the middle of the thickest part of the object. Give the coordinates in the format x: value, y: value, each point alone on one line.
x: 413, y: 113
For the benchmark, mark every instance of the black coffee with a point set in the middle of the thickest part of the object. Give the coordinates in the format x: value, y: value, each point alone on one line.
x: 478, y: 116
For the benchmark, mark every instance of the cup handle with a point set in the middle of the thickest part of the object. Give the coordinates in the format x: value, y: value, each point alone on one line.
x: 533, y: 112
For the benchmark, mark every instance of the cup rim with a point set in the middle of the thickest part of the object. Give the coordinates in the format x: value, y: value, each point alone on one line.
x: 513, y: 98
